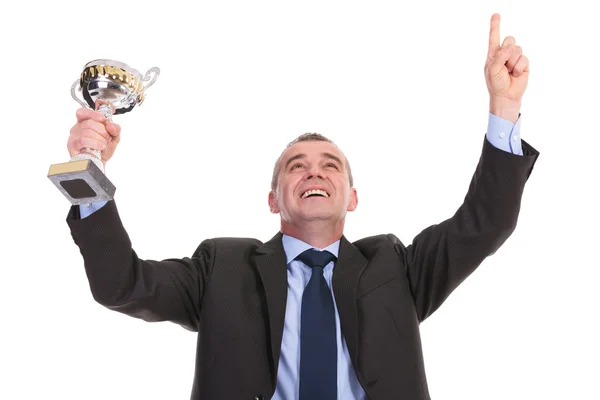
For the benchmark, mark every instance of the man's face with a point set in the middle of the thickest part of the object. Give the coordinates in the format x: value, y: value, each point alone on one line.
x: 313, y: 184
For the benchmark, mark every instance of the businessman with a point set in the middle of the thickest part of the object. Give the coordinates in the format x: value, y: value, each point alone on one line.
x: 308, y: 314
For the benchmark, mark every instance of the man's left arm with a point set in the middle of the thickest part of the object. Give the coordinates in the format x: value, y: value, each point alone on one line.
x: 443, y: 255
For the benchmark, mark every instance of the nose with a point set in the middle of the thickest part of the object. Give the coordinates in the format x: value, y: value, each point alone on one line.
x: 315, y: 172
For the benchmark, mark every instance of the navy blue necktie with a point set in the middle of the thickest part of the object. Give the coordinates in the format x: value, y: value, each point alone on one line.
x: 318, y: 346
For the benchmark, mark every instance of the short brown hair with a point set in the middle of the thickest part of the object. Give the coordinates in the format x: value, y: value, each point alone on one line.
x: 306, y: 137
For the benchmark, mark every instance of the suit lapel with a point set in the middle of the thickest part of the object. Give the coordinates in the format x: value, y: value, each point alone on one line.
x: 349, y: 266
x: 271, y: 265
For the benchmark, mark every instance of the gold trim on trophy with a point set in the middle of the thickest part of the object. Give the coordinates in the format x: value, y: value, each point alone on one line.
x: 72, y: 166
x: 114, y: 74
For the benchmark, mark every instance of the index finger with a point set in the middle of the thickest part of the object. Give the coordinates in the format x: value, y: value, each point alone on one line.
x: 494, y: 35
x: 85, y: 113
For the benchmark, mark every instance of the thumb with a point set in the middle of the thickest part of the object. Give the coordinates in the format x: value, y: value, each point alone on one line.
x: 113, y: 129
x: 500, y: 60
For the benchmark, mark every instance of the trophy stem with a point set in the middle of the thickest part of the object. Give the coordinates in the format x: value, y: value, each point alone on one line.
x: 106, y: 110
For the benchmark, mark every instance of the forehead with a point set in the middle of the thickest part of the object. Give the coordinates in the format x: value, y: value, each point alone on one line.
x: 312, y: 149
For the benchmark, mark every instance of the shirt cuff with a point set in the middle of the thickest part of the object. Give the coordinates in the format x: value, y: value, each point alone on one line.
x: 85, y: 210
x: 505, y: 135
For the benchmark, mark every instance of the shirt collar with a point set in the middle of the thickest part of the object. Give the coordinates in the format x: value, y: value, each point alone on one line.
x: 293, y: 247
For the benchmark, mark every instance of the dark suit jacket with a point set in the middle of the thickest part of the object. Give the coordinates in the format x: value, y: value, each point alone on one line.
x: 232, y: 291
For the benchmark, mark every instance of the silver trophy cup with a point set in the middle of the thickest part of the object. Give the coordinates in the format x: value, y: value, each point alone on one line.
x: 109, y: 87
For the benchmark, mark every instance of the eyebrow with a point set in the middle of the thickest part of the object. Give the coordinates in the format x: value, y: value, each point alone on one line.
x: 302, y: 155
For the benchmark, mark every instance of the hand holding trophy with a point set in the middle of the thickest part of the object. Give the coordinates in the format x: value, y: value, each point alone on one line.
x: 110, y: 87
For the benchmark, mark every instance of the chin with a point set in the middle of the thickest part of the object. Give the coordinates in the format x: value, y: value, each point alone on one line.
x: 315, y: 215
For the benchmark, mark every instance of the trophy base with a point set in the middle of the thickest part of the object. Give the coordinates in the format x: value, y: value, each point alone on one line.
x: 81, y: 182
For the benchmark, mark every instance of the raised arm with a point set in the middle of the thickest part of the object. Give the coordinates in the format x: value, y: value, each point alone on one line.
x: 169, y: 290
x: 443, y: 255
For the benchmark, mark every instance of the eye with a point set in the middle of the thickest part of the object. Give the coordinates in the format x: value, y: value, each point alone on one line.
x: 297, y: 165
x: 332, y: 165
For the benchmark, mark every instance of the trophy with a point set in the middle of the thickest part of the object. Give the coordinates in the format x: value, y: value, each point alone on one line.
x: 109, y: 87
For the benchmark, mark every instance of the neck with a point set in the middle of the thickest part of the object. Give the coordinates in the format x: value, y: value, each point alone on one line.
x: 318, y: 234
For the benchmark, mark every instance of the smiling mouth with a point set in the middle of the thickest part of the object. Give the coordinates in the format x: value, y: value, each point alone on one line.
x: 314, y: 193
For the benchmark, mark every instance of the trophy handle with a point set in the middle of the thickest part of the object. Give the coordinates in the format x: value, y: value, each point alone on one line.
x: 74, y: 94
x: 150, y: 77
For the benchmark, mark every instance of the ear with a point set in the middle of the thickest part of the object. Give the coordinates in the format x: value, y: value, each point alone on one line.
x: 353, y: 200
x: 273, y: 203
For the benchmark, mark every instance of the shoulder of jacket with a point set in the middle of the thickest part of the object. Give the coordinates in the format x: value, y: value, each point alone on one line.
x: 373, y: 243
x: 377, y: 240
x: 239, y: 244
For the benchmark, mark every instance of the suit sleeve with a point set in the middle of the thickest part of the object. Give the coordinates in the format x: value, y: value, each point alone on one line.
x: 443, y: 255
x: 168, y: 290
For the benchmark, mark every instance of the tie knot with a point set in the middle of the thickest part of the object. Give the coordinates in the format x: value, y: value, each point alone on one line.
x: 316, y: 258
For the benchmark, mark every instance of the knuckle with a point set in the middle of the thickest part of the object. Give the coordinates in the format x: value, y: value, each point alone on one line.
x: 77, y: 134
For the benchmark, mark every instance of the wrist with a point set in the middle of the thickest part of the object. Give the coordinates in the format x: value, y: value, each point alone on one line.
x: 506, y: 109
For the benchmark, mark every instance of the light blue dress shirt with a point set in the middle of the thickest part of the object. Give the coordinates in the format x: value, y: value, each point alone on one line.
x: 501, y: 133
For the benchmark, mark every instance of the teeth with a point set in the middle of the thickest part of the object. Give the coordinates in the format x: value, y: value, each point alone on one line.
x: 315, y: 191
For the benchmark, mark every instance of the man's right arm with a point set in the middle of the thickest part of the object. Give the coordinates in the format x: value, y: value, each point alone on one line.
x: 168, y: 290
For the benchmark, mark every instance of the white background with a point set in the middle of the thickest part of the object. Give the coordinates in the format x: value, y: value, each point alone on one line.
x: 400, y: 88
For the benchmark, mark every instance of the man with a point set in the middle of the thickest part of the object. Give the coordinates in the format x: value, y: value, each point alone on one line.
x: 278, y: 320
